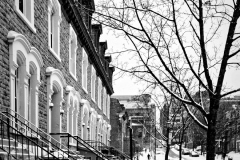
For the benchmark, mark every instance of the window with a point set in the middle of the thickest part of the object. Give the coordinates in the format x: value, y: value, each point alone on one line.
x: 85, y: 119
x: 108, y: 106
x: 99, y: 93
x: 54, y: 20
x: 93, y: 82
x: 104, y: 100
x: 72, y: 52
x: 55, y: 91
x: 84, y: 69
x: 25, y: 10
x: 25, y: 65
x: 73, y: 101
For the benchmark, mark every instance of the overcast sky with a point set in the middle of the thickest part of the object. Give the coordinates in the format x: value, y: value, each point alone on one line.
x: 128, y: 86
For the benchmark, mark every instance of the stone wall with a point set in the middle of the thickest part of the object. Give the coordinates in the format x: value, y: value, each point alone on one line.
x: 116, y: 131
x: 9, y: 20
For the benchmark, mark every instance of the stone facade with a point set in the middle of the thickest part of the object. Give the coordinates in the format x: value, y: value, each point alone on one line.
x: 118, y: 120
x: 13, y: 27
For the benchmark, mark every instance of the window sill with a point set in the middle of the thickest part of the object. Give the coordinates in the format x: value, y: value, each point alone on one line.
x: 54, y: 54
x: 72, y: 144
x: 73, y: 76
x: 84, y: 89
x: 93, y: 99
x: 28, y: 23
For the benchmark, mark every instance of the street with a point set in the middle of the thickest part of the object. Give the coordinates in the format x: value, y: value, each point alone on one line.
x: 173, y: 155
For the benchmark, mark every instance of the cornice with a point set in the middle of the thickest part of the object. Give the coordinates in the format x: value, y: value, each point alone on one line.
x: 74, y: 16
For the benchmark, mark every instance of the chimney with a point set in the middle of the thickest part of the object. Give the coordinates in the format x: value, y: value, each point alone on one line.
x: 103, y: 48
x: 108, y: 59
x: 96, y: 32
x: 111, y: 70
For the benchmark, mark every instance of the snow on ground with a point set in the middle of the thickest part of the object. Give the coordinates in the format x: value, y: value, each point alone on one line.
x: 233, y: 155
x: 161, y: 156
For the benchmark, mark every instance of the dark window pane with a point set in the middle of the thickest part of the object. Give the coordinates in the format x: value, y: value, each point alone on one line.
x: 21, y: 5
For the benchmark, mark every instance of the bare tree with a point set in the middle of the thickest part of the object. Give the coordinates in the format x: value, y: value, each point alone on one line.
x: 179, y: 41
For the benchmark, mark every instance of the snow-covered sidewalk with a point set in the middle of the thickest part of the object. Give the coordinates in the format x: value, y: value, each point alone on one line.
x: 233, y: 155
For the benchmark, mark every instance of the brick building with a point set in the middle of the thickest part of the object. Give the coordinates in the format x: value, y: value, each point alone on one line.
x: 142, y: 115
x: 118, y: 120
x: 54, y: 72
x: 228, y: 126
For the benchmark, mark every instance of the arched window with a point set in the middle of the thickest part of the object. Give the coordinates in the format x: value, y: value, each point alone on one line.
x: 84, y: 69
x: 108, y: 134
x: 99, y: 128
x: 54, y: 20
x: 25, y: 10
x: 85, y: 119
x: 55, y: 85
x: 25, y: 64
x: 73, y: 100
x: 92, y: 124
x: 72, y: 52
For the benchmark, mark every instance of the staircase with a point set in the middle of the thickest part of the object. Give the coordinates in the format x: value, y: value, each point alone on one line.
x: 20, y: 142
x: 83, y: 144
x: 109, y: 150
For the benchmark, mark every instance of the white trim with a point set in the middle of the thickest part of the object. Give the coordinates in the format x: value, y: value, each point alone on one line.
x: 73, y: 76
x: 54, y: 54
x: 99, y: 93
x: 55, y: 84
x: 28, y: 57
x: 55, y: 8
x: 73, y: 45
x: 93, y: 84
x: 28, y: 22
x: 84, y: 70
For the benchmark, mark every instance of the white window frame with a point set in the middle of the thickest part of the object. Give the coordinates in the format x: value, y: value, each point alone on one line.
x: 104, y: 100
x: 108, y: 106
x: 99, y: 93
x: 54, y: 20
x: 84, y: 69
x: 28, y: 13
x: 25, y: 65
x: 72, y: 52
x: 93, y: 83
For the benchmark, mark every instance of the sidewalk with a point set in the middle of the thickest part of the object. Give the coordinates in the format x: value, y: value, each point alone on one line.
x: 234, y: 156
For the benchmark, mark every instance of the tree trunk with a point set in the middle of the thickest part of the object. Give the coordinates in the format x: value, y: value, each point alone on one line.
x: 180, y: 151
x: 167, y: 151
x: 168, y: 145
x: 225, y: 145
x: 211, y: 132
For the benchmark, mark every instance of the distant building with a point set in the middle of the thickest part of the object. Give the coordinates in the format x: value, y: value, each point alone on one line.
x: 118, y: 120
x: 141, y: 113
x: 228, y: 125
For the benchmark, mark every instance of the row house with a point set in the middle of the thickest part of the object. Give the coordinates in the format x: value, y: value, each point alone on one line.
x: 55, y: 78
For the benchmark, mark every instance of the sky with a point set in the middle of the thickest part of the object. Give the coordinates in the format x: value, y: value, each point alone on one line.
x: 126, y: 85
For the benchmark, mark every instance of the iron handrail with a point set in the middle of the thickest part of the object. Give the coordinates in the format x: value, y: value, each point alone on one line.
x: 104, y: 145
x: 39, y: 132
x: 26, y: 137
x: 82, y: 142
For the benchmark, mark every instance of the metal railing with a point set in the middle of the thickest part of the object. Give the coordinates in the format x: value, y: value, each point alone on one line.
x: 112, y: 150
x: 82, y: 143
x: 20, y: 131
